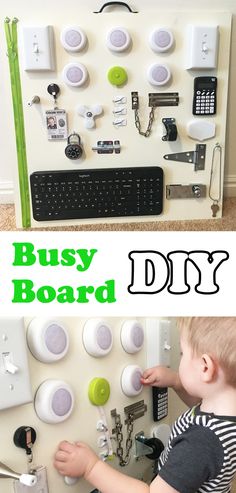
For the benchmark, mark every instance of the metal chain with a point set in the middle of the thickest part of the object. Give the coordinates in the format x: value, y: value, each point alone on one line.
x: 124, y: 460
x: 150, y: 122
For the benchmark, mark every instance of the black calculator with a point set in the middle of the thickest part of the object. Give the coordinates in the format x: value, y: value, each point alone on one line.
x: 204, y: 96
x: 159, y: 402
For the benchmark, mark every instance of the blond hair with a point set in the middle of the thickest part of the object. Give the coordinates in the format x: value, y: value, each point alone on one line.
x: 215, y: 336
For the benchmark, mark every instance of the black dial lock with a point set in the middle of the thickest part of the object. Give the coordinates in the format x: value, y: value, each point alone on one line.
x: 73, y: 149
x: 24, y: 437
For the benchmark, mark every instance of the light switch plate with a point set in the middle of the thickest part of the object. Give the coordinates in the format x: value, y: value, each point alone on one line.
x: 37, y: 44
x: 14, y: 380
x: 202, y: 45
x: 158, y: 342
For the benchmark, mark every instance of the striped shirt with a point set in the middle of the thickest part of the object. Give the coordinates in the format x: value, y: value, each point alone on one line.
x: 201, y: 453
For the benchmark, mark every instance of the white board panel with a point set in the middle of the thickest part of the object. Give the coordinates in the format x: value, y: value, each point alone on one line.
x: 136, y: 150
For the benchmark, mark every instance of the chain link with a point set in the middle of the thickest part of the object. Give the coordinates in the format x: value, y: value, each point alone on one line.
x: 124, y: 459
x: 150, y: 122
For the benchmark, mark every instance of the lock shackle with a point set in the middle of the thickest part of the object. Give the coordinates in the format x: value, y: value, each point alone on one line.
x: 74, y: 134
x: 123, y: 4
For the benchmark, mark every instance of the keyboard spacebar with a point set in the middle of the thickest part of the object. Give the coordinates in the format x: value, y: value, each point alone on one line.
x: 87, y: 213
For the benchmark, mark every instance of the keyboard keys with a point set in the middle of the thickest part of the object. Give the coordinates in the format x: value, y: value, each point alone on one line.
x: 97, y: 193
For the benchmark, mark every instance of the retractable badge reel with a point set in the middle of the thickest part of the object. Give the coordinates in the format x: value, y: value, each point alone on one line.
x: 56, y: 119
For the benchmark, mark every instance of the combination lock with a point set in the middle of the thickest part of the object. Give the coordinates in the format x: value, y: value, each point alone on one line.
x: 73, y: 149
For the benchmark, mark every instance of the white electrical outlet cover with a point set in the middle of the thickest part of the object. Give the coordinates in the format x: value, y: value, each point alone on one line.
x: 158, y: 342
x: 201, y: 129
x: 97, y: 337
x: 75, y: 74
x: 54, y: 401
x: 38, y: 48
x: 132, y: 336
x: 130, y: 380
x: 73, y: 38
x: 158, y: 74
x: 14, y: 370
x: 161, y: 39
x: 118, y: 39
x: 202, y: 45
x: 48, y: 339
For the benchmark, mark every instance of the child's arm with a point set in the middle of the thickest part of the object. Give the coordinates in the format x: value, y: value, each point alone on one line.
x: 79, y: 460
x: 161, y: 376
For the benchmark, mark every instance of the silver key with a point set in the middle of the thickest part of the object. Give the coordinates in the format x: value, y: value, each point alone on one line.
x: 214, y: 209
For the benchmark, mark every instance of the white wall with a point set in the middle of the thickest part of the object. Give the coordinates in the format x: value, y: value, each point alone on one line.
x: 7, y: 153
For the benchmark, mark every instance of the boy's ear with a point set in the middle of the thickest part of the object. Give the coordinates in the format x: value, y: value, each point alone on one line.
x: 208, y: 368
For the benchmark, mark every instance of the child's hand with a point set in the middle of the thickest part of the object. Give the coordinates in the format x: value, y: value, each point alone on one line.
x: 159, y: 376
x: 74, y: 459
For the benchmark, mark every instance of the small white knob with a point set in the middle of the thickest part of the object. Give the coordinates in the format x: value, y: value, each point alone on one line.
x: 28, y: 479
x: 70, y: 481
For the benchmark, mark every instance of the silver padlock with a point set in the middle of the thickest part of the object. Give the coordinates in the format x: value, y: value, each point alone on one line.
x: 73, y: 149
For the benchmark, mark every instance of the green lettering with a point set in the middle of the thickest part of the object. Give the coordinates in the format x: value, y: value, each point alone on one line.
x: 23, y: 291
x: 46, y: 294
x: 86, y: 258
x: 68, y: 257
x: 82, y: 293
x: 106, y: 293
x: 48, y: 257
x: 24, y: 254
x: 66, y: 295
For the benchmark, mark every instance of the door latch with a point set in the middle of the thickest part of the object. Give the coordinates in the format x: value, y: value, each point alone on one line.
x: 107, y: 147
x: 193, y: 191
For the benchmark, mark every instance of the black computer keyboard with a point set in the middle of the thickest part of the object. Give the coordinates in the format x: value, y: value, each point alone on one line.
x: 96, y: 193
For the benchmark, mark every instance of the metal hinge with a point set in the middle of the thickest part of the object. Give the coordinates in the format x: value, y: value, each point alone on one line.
x: 196, y: 157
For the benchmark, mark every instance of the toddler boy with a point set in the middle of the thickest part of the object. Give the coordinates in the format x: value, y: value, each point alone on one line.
x: 201, y: 453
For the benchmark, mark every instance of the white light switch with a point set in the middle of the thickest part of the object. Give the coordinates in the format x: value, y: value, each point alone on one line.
x: 38, y: 48
x: 158, y: 342
x: 14, y: 370
x: 202, y: 47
